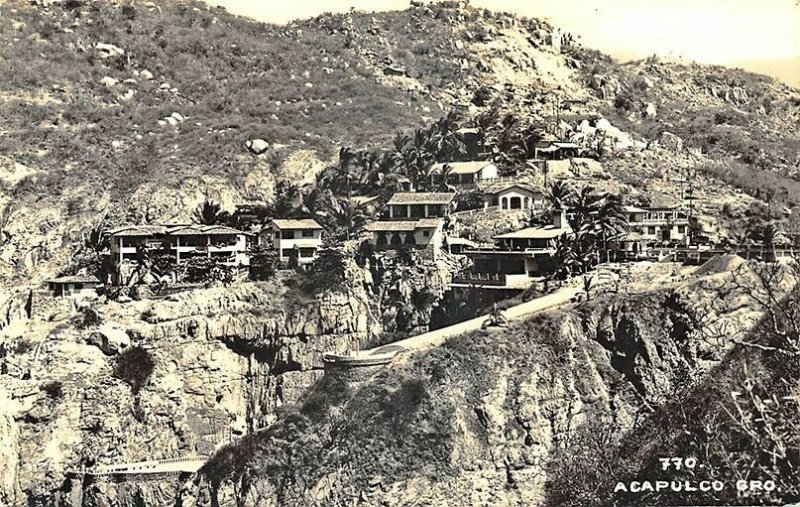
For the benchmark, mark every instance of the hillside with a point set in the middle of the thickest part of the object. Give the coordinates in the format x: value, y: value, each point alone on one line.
x: 481, y: 418
x: 127, y: 113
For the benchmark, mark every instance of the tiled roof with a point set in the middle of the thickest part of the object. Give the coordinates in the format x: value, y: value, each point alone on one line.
x: 75, y: 279
x: 421, y: 198
x: 191, y: 230
x: 291, y: 223
x: 404, y: 225
x: 546, y: 232
x: 137, y: 230
x: 461, y: 167
x: 496, y: 188
x: 392, y: 226
x: 429, y: 223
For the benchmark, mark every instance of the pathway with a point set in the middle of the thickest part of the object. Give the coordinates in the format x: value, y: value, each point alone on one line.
x: 437, y: 337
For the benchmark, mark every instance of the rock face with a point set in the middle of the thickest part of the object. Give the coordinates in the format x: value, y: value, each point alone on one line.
x: 224, y: 360
x: 111, y: 340
x: 486, y: 411
x: 9, y: 454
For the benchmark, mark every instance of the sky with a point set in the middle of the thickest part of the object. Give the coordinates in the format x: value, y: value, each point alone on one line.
x: 762, y: 35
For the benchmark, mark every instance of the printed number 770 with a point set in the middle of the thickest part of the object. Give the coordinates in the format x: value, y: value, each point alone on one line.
x: 677, y: 463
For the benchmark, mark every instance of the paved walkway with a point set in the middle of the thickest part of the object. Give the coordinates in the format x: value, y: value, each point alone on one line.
x: 157, y: 467
x: 437, y: 337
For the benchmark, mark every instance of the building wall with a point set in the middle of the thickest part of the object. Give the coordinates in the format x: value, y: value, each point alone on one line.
x: 281, y: 244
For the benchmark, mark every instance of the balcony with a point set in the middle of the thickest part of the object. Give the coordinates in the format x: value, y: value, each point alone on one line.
x: 472, y: 278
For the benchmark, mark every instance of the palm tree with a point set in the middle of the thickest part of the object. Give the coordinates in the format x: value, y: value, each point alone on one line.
x: 445, y: 175
x: 288, y: 201
x: 96, y: 241
x: 585, y: 207
x: 445, y: 142
x: 611, y: 221
x: 559, y: 194
x: 210, y: 213
x: 344, y: 217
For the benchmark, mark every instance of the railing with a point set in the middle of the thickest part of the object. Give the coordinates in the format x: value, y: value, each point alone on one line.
x: 480, y: 278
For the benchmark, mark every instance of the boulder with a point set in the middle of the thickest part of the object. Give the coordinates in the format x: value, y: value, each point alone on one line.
x: 650, y: 110
x: 671, y: 142
x: 146, y: 74
x: 109, y: 81
x: 111, y: 340
x: 257, y: 146
x: 108, y: 50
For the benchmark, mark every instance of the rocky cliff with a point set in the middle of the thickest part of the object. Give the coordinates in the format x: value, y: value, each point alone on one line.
x: 477, y: 419
x: 224, y: 359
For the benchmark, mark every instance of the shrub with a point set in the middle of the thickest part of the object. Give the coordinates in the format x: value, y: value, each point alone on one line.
x: 263, y: 263
x: 134, y: 367
x: 54, y: 390
x: 23, y: 347
x: 87, y: 317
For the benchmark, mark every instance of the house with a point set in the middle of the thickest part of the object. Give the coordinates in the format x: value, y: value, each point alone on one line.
x: 659, y: 223
x: 425, y: 234
x: 556, y: 150
x: 457, y: 245
x: 517, y: 255
x: 76, y: 286
x: 464, y: 173
x: 629, y: 246
x: 405, y: 205
x: 293, y: 239
x: 512, y: 196
x: 180, y: 243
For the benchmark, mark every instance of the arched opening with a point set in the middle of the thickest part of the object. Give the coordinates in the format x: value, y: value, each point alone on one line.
x: 396, y: 239
x: 504, y: 203
x: 515, y: 203
x: 381, y: 240
x: 410, y: 239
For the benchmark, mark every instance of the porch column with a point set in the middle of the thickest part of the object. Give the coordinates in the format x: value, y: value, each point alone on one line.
x: 426, y: 211
x: 120, y: 249
x: 208, y: 247
x: 178, y: 250
x: 391, y: 211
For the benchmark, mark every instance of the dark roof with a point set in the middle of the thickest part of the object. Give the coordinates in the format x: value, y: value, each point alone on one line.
x: 75, y: 279
x: 292, y: 223
x: 422, y: 198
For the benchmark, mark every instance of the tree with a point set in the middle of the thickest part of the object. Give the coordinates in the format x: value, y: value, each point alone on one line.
x: 344, y: 217
x: 611, y: 221
x: 559, y: 194
x: 210, y: 213
x: 288, y: 201
x: 445, y: 175
x: 263, y: 263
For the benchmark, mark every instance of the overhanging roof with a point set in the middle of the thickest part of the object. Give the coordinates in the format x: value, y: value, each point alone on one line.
x: 402, y: 198
x: 546, y: 232
x: 472, y: 167
x: 292, y: 223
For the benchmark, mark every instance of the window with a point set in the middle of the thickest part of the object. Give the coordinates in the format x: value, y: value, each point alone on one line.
x: 426, y: 233
x: 286, y: 252
x: 287, y: 234
x: 308, y: 234
x: 681, y: 229
x: 307, y: 252
x: 651, y: 230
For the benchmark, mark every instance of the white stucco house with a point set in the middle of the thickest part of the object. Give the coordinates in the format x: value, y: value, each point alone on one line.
x: 512, y: 196
x: 464, y: 173
x: 293, y: 239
